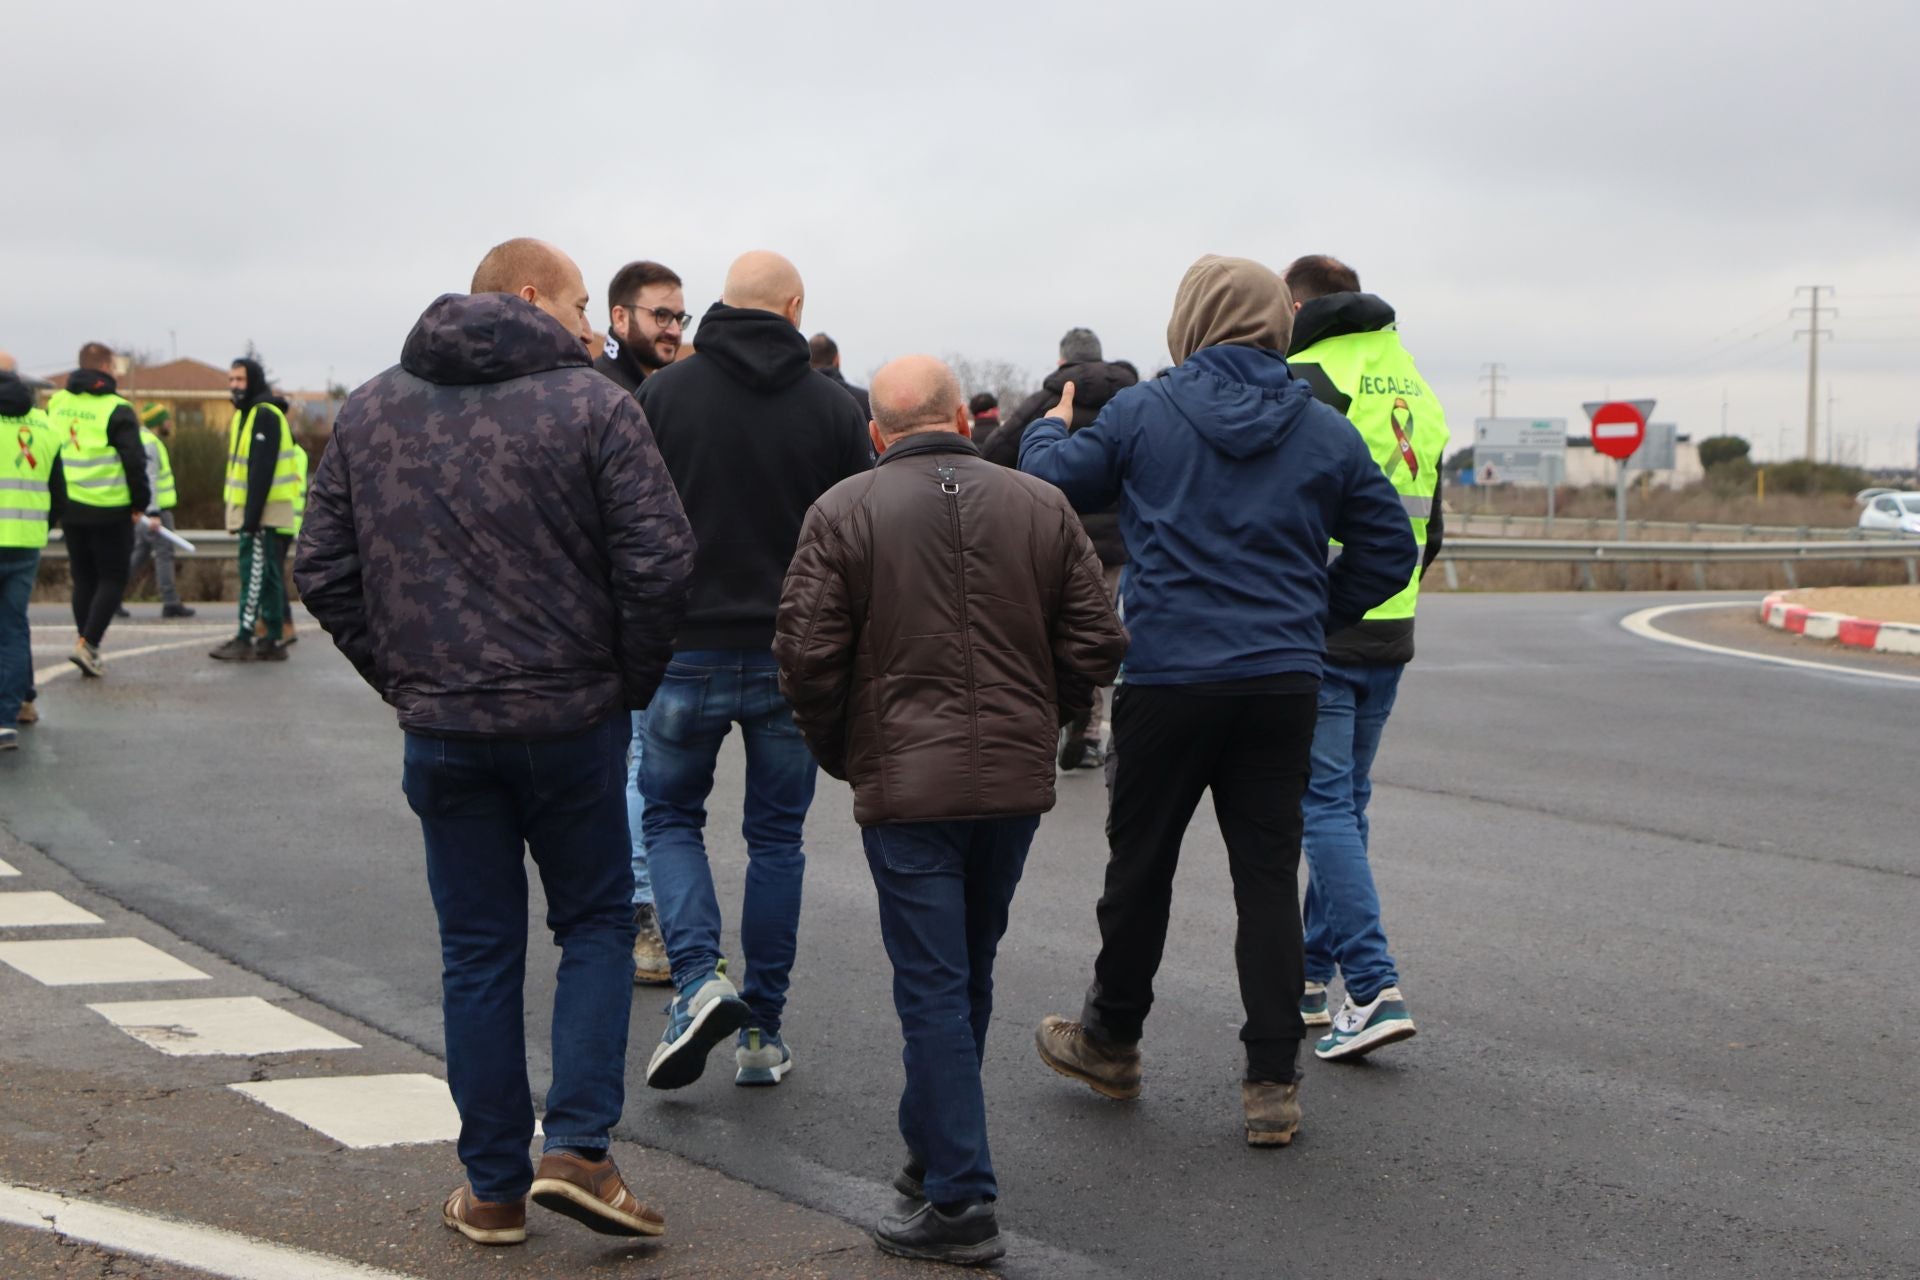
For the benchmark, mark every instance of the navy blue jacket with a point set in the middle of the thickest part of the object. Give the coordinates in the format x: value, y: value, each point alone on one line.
x: 1231, y: 480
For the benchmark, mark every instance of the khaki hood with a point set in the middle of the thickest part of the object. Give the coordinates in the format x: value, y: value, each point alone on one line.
x: 1229, y: 302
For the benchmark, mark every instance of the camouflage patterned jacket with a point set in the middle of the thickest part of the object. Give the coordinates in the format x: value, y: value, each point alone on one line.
x: 491, y: 537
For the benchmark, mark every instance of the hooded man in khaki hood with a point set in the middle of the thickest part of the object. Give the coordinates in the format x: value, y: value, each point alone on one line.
x: 1230, y: 480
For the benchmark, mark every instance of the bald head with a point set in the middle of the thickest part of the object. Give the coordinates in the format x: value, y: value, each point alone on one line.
x: 914, y: 394
x: 765, y: 281
x: 6, y: 362
x: 541, y: 274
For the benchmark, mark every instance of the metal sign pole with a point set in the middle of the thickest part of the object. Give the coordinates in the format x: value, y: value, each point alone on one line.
x: 1620, y: 497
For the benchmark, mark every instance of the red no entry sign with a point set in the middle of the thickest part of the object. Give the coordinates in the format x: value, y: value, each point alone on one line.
x: 1619, y: 426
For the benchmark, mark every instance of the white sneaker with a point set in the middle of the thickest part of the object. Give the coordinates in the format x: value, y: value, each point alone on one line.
x: 87, y: 658
x: 1359, y: 1029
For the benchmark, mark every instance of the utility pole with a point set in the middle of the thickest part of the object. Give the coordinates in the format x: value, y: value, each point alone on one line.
x: 1814, y: 333
x: 1832, y: 435
x: 1723, y: 411
x: 1493, y: 374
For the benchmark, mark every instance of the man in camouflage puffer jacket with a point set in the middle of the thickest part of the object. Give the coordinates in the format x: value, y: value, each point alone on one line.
x: 494, y: 543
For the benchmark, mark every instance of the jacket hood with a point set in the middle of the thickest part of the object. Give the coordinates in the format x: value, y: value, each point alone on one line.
x: 469, y: 339
x: 758, y: 348
x: 1338, y: 314
x: 1094, y: 383
x: 1229, y: 302
x: 257, y: 388
x: 16, y: 397
x: 91, y: 382
x: 1240, y: 400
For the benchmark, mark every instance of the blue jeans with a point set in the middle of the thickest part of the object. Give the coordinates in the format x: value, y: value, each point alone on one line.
x: 482, y: 803
x: 636, y: 812
x: 18, y: 565
x: 705, y: 693
x: 1342, y: 913
x: 944, y: 890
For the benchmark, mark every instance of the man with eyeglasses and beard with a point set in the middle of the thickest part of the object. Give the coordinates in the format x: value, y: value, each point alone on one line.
x: 646, y: 318
x: 646, y: 315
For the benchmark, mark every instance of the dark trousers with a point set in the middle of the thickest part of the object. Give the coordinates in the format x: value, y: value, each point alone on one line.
x: 1253, y: 751
x: 483, y: 803
x: 97, y: 556
x: 944, y: 890
x: 263, y: 593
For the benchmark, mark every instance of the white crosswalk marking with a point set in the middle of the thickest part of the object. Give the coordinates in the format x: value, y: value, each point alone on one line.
x: 39, y: 909
x: 87, y: 960
x: 187, y: 1244
x: 241, y: 1026
x: 365, y: 1111
x: 6, y: 869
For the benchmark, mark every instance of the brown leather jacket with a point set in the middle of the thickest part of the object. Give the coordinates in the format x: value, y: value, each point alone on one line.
x: 941, y: 619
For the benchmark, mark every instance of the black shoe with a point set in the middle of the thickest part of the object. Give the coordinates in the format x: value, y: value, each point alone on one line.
x: 1073, y: 747
x: 963, y: 1236
x: 268, y: 651
x: 235, y: 650
x: 122, y: 612
x: 911, y: 1180
x: 176, y: 611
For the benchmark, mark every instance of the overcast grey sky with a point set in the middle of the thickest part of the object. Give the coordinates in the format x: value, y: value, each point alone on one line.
x: 1609, y: 199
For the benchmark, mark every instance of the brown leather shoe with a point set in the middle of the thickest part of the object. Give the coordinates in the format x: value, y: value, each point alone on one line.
x: 1110, y: 1069
x: 1273, y: 1112
x: 485, y: 1222
x: 592, y: 1193
x: 29, y: 714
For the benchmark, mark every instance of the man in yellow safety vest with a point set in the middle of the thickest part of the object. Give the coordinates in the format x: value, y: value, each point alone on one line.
x: 1346, y: 346
x: 263, y: 479
x: 29, y: 474
x: 107, y: 495
x: 156, y: 428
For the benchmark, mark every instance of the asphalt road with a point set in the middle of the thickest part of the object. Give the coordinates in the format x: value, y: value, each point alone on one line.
x: 1653, y: 909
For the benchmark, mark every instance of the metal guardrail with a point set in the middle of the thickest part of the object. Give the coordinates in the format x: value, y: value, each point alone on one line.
x: 1699, y: 554
x: 1601, y: 526
x: 208, y: 544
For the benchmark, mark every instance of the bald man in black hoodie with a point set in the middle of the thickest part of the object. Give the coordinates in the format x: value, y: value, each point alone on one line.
x: 752, y: 435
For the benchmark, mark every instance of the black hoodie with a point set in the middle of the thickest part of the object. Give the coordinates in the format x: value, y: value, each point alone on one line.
x: 752, y: 436
x: 123, y: 433
x: 1382, y: 642
x: 1094, y: 383
x: 261, y: 462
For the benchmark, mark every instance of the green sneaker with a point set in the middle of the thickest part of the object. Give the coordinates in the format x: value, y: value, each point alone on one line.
x: 761, y: 1058
x: 1359, y: 1029
x: 1313, y: 1005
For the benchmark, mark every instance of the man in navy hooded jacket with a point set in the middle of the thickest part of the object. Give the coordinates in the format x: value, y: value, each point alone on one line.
x: 1230, y: 480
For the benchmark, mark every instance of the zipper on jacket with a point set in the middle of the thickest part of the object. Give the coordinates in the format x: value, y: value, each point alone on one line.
x: 950, y: 486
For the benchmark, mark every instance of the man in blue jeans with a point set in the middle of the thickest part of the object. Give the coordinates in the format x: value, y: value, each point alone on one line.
x: 513, y: 605
x: 752, y: 435
x: 31, y: 493
x: 1346, y: 346
x: 942, y: 618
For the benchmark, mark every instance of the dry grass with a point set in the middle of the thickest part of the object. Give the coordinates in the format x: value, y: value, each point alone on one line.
x: 1683, y: 505
x: 1882, y: 604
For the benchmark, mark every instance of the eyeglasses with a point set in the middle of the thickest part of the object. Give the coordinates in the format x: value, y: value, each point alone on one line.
x: 662, y: 316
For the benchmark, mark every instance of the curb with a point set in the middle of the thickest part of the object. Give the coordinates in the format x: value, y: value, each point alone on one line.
x: 1861, y: 633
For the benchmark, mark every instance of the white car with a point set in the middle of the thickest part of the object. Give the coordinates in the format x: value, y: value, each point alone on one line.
x: 1893, y: 513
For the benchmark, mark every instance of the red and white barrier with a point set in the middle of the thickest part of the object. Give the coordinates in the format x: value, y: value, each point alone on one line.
x: 1861, y: 633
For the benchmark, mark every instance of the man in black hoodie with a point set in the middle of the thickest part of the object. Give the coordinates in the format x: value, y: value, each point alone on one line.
x: 752, y: 436
x: 105, y: 469
x: 823, y: 353
x: 1095, y: 381
x: 263, y: 478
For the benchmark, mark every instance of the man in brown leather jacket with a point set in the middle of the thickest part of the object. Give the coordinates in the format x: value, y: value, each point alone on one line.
x: 942, y: 618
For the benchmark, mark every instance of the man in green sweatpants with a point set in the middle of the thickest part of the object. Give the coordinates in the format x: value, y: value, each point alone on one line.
x: 263, y: 480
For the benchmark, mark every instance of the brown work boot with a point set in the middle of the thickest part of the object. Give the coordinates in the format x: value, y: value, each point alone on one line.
x: 1110, y: 1069
x: 29, y: 714
x: 1273, y: 1112
x: 592, y: 1193
x: 649, y: 948
x: 485, y: 1222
